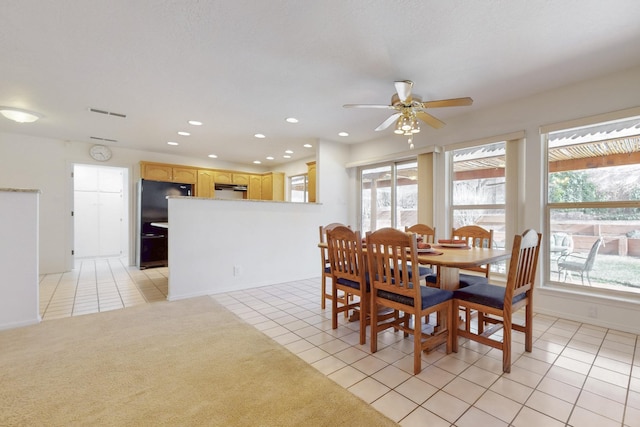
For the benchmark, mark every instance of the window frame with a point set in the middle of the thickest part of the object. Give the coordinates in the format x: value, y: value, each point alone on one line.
x: 393, y: 164
x: 548, y: 280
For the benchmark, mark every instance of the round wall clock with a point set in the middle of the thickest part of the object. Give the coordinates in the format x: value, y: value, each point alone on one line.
x: 102, y: 153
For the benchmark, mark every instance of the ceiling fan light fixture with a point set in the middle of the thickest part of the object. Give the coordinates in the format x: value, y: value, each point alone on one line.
x: 406, y: 123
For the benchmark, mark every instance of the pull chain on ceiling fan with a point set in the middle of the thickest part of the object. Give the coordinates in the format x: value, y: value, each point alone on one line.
x: 410, y: 108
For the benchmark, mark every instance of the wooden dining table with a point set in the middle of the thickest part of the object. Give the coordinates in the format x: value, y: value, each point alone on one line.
x: 450, y: 260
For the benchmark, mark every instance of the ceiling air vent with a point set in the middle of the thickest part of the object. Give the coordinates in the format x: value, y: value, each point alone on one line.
x: 103, y: 139
x: 108, y: 113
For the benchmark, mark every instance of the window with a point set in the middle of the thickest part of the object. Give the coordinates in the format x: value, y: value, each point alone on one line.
x: 593, y: 192
x: 478, y: 189
x: 298, y: 188
x: 389, y: 196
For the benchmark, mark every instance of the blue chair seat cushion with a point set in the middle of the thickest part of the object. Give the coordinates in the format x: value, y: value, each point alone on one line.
x: 429, y: 296
x: 485, y: 294
x: 422, y: 271
x: 465, y: 280
x: 352, y: 284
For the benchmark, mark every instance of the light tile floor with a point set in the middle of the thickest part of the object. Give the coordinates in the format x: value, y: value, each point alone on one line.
x: 577, y: 375
x: 96, y: 285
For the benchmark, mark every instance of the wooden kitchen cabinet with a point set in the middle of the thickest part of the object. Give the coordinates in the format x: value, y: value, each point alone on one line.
x: 228, y: 177
x: 222, y: 177
x: 240, y: 178
x: 311, y: 181
x: 168, y: 173
x: 273, y: 186
x: 254, y: 189
x: 185, y: 175
x: 205, y: 184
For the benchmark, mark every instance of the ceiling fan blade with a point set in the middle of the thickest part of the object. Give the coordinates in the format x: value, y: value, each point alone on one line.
x: 392, y: 118
x: 388, y: 107
x: 403, y: 88
x: 430, y: 120
x: 454, y: 102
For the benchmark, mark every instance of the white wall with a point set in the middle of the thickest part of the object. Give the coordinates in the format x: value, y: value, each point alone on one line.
x: 224, y: 245
x: 19, y: 258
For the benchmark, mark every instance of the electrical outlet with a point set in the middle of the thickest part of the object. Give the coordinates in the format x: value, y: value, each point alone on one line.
x: 593, y: 311
x: 237, y: 270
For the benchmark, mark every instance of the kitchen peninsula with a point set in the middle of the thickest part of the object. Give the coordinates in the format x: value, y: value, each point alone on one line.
x: 225, y: 245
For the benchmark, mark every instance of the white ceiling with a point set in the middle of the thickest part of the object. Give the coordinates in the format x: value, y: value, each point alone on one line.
x: 243, y: 66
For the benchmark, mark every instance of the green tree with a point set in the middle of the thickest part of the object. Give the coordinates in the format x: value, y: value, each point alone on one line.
x: 569, y: 187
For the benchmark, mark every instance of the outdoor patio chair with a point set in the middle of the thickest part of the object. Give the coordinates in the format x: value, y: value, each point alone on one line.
x: 578, y: 262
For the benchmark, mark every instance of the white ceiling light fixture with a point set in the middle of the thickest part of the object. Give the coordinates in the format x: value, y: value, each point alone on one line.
x: 183, y: 133
x: 308, y: 146
x: 172, y: 143
x: 19, y: 115
x: 343, y: 134
x: 194, y: 123
x: 259, y: 135
x: 288, y: 151
x: 213, y: 156
x: 257, y: 162
x: 286, y: 156
x: 291, y: 120
x: 270, y: 157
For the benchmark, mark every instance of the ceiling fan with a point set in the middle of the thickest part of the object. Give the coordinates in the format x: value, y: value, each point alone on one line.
x: 410, y: 108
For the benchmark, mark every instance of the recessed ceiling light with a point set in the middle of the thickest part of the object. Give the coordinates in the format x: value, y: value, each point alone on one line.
x: 183, y: 133
x: 286, y: 156
x: 343, y: 134
x: 257, y: 162
x: 172, y: 143
x: 291, y: 120
x: 195, y: 123
x: 213, y: 156
x: 307, y: 146
x: 288, y: 151
x: 259, y: 135
x: 19, y: 115
x: 270, y: 157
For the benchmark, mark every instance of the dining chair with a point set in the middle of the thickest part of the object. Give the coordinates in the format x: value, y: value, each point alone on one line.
x: 476, y: 237
x: 348, y: 275
x: 326, y: 270
x: 496, y: 304
x: 425, y: 234
x: 389, y: 254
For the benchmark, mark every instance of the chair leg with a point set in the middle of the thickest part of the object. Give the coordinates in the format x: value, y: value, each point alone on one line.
x: 506, y: 344
x: 453, y: 325
x: 323, y: 294
x: 374, y: 326
x: 334, y: 306
x: 364, y: 315
x: 528, y: 328
x: 417, y: 344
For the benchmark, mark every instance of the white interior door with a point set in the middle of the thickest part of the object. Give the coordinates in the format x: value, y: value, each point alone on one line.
x: 99, y: 211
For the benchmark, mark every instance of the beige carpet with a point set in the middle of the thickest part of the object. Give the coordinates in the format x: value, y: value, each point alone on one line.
x: 181, y: 363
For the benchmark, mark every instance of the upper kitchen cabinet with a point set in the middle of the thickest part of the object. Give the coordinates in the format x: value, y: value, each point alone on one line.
x: 311, y: 185
x: 229, y: 177
x: 273, y: 186
x: 168, y: 173
x: 254, y: 189
x: 205, y: 184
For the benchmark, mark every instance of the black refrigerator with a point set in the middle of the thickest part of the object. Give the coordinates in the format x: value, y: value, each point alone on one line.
x: 153, y: 220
